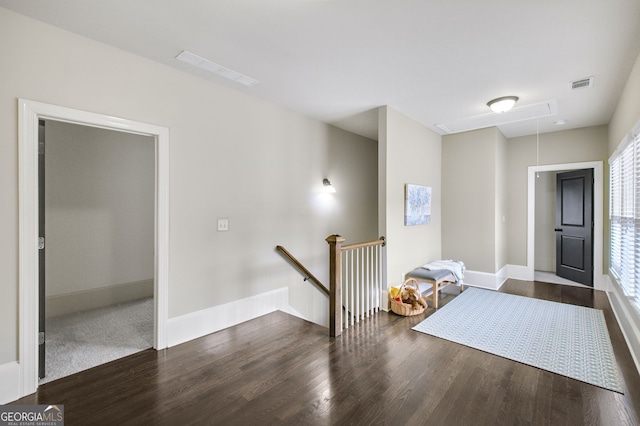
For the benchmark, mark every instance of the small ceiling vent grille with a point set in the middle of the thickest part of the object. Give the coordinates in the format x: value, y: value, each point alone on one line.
x: 584, y: 83
x: 205, y: 64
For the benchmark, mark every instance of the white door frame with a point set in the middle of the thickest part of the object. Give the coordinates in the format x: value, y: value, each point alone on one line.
x: 599, y: 282
x: 28, y: 115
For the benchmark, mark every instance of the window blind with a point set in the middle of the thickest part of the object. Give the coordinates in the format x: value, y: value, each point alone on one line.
x: 624, y: 214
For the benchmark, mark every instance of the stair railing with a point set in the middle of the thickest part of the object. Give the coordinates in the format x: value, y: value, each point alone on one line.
x: 356, y: 280
x: 308, y: 276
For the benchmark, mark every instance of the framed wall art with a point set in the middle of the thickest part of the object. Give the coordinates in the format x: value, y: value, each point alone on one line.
x: 417, y: 207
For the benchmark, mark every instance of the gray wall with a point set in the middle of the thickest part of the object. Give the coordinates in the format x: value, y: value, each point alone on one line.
x: 99, y: 217
x: 408, y: 153
x: 570, y: 146
x: 545, y: 244
x: 502, y: 199
x: 627, y: 113
x: 231, y: 155
x: 474, y: 199
x: 625, y: 120
x: 545, y: 222
x: 484, y: 186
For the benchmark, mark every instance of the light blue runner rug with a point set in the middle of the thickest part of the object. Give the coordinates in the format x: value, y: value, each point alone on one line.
x: 564, y: 339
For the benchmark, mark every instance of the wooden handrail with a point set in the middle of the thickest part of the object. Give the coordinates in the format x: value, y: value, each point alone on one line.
x: 337, y: 310
x: 307, y: 273
x: 379, y: 242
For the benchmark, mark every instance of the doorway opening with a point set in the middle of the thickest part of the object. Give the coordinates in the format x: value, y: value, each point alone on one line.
x: 96, y: 223
x: 537, y: 175
x: 547, y: 230
x: 30, y: 114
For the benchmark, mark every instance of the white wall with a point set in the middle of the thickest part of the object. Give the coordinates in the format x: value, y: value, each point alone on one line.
x: 409, y: 153
x: 99, y: 213
x: 231, y: 155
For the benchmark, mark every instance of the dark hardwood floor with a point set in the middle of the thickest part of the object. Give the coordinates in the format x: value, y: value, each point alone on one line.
x: 279, y: 369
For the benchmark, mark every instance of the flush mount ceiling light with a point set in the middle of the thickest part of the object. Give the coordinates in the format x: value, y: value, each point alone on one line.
x: 205, y: 64
x: 491, y: 119
x: 502, y: 104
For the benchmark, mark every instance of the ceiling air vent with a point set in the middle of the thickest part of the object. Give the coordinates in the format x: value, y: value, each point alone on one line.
x: 205, y: 64
x: 583, y: 83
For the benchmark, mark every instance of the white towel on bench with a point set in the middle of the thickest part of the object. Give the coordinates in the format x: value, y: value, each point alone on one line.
x: 456, y: 267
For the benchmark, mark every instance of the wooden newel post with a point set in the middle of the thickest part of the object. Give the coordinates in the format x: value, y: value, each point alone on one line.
x: 335, y: 285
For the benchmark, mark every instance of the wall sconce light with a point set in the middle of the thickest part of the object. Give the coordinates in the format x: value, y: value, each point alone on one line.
x: 327, y: 186
x: 502, y: 104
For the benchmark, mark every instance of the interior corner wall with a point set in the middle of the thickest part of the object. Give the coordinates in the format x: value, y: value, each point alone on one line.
x: 470, y: 197
x: 569, y: 146
x: 625, y: 118
x: 501, y: 201
x: 382, y: 172
x: 627, y: 112
x: 99, y: 214
x: 231, y: 156
x: 410, y: 153
x: 545, y: 222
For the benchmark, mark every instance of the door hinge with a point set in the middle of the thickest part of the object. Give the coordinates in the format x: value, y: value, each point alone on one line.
x: 41, y: 338
x: 40, y: 243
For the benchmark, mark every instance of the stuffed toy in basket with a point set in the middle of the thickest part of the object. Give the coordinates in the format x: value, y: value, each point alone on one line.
x: 408, y: 300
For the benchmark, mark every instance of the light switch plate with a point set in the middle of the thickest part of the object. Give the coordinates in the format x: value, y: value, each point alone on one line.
x: 223, y: 225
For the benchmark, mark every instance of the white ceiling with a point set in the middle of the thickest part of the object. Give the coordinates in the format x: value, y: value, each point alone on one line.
x: 436, y: 61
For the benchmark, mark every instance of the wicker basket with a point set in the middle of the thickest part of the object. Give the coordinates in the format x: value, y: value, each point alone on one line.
x: 405, y: 309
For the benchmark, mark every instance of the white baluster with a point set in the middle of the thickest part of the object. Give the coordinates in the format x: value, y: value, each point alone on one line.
x: 370, y: 280
x: 345, y: 287
x: 354, y: 293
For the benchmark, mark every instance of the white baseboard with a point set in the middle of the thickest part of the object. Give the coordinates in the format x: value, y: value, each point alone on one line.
x: 519, y: 272
x: 10, y: 379
x: 197, y: 324
x: 603, y: 283
x: 384, y: 300
x: 485, y: 279
x: 84, y: 300
x: 627, y: 320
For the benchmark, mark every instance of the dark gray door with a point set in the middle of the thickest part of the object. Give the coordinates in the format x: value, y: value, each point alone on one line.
x: 574, y: 226
x: 41, y: 259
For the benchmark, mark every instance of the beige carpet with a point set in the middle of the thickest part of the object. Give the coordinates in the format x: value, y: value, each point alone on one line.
x: 79, y: 341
